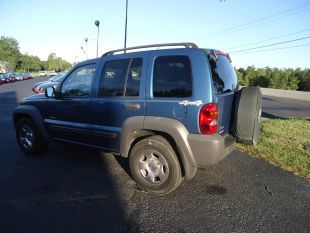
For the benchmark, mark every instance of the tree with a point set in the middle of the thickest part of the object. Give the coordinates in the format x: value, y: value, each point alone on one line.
x: 241, y: 77
x: 29, y: 63
x: 9, y: 51
x: 57, y: 63
x: 250, y: 75
x: 292, y: 81
x: 304, y: 82
x: 274, y: 78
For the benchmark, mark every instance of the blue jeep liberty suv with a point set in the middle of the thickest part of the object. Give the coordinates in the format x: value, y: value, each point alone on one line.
x: 168, y: 110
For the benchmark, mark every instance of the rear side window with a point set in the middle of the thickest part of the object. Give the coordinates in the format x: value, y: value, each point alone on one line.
x: 223, y: 74
x: 172, y: 77
x: 121, y: 78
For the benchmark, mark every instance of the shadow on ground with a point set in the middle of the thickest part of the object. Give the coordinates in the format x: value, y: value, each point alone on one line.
x: 67, y: 189
x: 273, y: 117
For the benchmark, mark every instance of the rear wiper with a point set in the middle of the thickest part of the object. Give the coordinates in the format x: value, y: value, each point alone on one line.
x: 226, y: 91
x: 212, y: 55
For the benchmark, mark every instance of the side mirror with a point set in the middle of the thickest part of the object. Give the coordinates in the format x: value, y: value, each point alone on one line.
x: 50, y: 92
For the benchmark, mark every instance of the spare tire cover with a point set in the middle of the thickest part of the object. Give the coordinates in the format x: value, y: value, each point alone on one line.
x: 246, y: 115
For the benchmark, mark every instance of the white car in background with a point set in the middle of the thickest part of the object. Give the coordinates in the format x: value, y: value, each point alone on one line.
x: 51, y: 73
x: 42, y: 73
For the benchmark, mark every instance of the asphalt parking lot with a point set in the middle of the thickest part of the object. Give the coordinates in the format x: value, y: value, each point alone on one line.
x: 74, y: 189
x: 283, y: 108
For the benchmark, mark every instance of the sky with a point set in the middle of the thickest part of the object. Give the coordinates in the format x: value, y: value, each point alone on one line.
x: 60, y: 26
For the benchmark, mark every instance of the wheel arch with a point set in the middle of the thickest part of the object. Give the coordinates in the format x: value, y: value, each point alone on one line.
x: 32, y: 113
x: 136, y: 128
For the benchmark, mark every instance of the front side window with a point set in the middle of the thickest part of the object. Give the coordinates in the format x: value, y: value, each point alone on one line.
x: 121, y: 78
x: 172, y: 77
x: 78, y: 84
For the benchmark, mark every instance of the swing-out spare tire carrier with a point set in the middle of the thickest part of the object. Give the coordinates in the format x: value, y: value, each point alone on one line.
x: 246, y: 115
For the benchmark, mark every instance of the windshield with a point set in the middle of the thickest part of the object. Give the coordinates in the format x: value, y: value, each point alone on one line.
x: 223, y: 74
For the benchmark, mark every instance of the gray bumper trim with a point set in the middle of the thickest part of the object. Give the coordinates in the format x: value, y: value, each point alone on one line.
x: 210, y: 149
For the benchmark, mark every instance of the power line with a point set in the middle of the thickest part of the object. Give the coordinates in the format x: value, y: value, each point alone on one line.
x: 273, y: 38
x: 269, y: 45
x: 282, y: 48
x: 244, y: 25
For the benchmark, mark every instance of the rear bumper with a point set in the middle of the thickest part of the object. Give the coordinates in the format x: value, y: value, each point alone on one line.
x: 210, y: 149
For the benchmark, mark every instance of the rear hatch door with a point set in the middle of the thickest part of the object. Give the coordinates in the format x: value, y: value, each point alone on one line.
x: 224, y: 84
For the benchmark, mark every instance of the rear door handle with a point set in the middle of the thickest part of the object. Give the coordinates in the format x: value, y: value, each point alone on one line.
x: 132, y: 106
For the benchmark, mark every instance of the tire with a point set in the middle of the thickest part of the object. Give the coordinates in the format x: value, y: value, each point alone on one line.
x: 155, y: 166
x: 29, y: 138
x: 246, y: 115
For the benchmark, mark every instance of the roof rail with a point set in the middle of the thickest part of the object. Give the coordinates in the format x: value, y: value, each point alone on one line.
x: 186, y: 45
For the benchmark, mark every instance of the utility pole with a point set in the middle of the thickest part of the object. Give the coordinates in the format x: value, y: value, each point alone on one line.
x: 125, y: 42
x: 83, y: 51
x: 86, y: 41
x: 97, y: 23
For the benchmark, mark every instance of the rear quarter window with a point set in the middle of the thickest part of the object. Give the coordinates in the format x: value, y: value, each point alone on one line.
x: 172, y: 77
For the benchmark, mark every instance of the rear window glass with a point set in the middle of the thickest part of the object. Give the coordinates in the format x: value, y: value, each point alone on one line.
x: 223, y: 74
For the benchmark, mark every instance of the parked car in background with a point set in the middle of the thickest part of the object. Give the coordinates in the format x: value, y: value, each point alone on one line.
x: 8, y: 78
x: 40, y: 87
x: 2, y: 80
x: 42, y: 73
x: 51, y: 73
x: 19, y: 77
x: 13, y: 77
x: 26, y: 76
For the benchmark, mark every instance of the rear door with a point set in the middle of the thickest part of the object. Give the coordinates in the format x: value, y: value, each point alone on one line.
x: 120, y: 96
x: 224, y: 84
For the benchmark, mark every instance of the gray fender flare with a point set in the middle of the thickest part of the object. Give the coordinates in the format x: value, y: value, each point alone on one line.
x: 34, y: 114
x: 173, y: 128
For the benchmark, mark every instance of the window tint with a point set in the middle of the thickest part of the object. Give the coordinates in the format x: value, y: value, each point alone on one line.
x: 116, y: 75
x: 223, y: 74
x: 113, y: 79
x: 78, y: 84
x: 134, y: 76
x: 172, y: 77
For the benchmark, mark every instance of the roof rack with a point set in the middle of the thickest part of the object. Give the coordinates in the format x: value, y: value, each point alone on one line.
x: 186, y: 45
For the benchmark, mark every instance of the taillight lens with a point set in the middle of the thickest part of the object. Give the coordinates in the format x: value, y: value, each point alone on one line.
x: 208, y: 119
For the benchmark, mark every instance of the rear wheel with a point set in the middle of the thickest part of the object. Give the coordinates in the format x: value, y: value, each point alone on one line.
x: 29, y: 138
x: 247, y: 114
x: 155, y: 166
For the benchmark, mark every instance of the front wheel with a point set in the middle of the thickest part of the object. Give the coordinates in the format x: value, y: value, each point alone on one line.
x: 29, y: 138
x: 155, y: 165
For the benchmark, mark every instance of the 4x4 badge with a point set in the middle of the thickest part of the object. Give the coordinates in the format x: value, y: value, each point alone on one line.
x: 186, y: 102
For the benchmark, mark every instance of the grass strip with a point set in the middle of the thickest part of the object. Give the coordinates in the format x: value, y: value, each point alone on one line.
x: 285, y: 143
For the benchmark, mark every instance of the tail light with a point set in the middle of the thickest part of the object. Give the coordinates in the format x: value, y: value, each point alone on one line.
x: 208, y: 119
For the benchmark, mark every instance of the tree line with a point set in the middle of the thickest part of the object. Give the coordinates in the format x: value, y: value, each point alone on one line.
x: 14, y: 60
x: 289, y: 79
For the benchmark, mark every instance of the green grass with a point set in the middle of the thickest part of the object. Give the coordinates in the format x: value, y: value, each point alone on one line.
x: 285, y: 143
